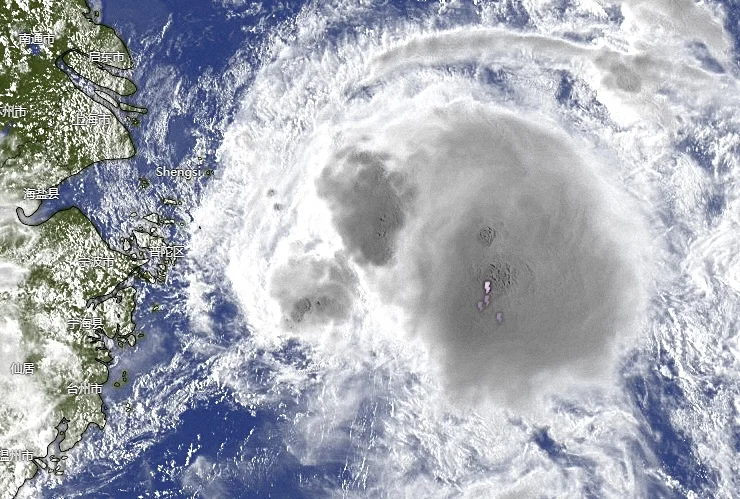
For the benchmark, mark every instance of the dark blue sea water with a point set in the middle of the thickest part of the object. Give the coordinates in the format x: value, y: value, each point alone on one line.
x: 202, y: 37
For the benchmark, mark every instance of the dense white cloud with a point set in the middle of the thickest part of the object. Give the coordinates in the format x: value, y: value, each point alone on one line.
x: 370, y: 184
x: 391, y: 151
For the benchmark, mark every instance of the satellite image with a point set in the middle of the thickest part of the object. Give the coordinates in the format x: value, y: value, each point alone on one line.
x: 402, y: 249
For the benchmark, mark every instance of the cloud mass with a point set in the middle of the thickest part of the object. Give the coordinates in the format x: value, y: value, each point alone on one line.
x: 510, y: 257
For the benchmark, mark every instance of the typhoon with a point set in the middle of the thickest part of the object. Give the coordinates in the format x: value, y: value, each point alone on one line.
x: 500, y: 234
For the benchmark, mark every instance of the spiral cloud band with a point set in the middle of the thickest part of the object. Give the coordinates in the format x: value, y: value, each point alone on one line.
x: 497, y: 211
x: 424, y: 180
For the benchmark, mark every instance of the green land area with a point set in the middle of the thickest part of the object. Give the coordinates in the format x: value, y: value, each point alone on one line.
x: 50, y: 275
x: 58, y: 331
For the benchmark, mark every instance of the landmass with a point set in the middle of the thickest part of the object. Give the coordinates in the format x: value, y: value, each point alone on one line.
x: 52, y: 326
x: 64, y: 302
